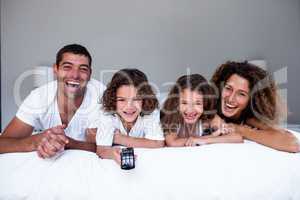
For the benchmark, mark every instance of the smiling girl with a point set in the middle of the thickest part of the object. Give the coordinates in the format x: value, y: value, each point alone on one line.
x: 188, y: 117
x: 129, y: 115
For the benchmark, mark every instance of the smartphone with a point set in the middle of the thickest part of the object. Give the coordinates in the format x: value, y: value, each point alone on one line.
x: 127, y: 158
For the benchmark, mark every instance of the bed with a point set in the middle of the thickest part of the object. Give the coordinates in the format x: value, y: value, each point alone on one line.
x: 220, y: 171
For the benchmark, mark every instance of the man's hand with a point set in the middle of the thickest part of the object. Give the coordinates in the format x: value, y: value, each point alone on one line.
x: 52, y: 141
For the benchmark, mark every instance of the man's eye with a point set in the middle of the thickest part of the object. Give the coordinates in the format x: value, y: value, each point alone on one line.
x: 66, y: 67
x: 84, y: 69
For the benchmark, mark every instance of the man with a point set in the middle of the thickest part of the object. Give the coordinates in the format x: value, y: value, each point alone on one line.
x: 63, y: 109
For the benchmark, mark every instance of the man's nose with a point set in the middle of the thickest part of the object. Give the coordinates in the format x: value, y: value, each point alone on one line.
x: 74, y: 73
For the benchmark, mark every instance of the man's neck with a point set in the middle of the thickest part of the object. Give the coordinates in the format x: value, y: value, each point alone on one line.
x: 68, y: 104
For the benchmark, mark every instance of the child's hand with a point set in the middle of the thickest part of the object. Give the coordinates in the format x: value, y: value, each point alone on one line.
x: 193, y: 141
x: 223, y: 129
x: 116, y: 155
x: 118, y: 137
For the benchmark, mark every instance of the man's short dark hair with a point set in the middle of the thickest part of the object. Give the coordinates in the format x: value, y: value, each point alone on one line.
x: 75, y: 49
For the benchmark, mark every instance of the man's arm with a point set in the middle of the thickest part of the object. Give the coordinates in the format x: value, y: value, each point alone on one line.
x: 17, y: 137
x: 88, y: 145
x: 80, y: 145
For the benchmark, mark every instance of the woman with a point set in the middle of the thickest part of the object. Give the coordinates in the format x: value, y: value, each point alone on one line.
x: 248, y: 101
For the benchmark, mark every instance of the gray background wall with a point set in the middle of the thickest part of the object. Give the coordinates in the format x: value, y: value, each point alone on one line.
x: 161, y: 37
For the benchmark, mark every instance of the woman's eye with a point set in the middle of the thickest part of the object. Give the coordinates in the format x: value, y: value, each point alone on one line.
x: 243, y: 94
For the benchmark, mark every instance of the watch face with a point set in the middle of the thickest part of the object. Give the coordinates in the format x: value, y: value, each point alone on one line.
x: 127, y: 159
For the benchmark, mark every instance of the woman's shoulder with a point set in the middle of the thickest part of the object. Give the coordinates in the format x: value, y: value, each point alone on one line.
x: 255, y: 123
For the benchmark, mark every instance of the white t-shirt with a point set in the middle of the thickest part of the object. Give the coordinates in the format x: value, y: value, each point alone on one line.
x: 40, y: 109
x: 147, y: 127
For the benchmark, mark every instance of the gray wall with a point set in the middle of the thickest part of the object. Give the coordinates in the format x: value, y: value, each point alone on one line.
x: 161, y: 37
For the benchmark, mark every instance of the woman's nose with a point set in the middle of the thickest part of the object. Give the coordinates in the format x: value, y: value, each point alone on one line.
x: 231, y: 97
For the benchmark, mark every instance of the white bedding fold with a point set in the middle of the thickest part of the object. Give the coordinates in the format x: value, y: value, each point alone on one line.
x: 219, y: 171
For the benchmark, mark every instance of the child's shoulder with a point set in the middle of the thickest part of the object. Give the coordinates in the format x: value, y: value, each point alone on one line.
x: 107, y: 116
x: 215, y: 121
x: 154, y: 116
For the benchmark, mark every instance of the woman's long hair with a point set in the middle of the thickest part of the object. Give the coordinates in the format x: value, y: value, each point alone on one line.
x: 264, y: 102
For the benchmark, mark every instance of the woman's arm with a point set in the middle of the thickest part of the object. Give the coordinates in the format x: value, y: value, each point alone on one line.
x: 275, y: 138
x: 129, y: 141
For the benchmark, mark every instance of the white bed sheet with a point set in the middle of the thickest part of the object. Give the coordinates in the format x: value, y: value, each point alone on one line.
x: 219, y: 171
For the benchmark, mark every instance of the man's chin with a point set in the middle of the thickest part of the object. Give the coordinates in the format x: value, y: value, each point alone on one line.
x: 73, y: 95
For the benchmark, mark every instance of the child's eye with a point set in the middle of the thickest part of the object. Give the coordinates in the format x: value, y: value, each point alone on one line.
x: 136, y: 99
x: 120, y: 100
x: 227, y: 87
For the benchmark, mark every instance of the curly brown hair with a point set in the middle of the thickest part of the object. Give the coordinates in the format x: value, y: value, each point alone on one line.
x: 171, y: 118
x: 136, y: 78
x: 263, y: 92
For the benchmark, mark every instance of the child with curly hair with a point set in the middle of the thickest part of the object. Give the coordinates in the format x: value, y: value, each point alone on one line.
x: 130, y: 117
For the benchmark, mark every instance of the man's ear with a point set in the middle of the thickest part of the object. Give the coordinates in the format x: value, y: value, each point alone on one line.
x: 90, y: 74
x: 55, y: 69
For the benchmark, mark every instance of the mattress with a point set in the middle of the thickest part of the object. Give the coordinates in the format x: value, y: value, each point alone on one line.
x: 220, y: 171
